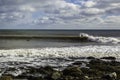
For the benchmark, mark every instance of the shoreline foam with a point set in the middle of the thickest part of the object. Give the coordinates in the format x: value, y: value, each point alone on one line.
x: 64, y: 52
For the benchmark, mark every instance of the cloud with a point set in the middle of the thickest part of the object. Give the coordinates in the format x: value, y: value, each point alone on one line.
x: 112, y: 19
x: 27, y: 8
x: 47, y: 20
x: 94, y: 11
x: 69, y: 13
x: 89, y: 4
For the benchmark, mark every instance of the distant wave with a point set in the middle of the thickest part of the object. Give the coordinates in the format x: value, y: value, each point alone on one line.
x: 100, y: 38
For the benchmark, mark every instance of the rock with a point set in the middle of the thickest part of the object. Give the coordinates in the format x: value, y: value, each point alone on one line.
x: 77, y: 63
x: 114, y: 63
x: 108, y: 58
x: 87, y: 78
x: 32, y: 70
x: 85, y: 70
x: 90, y: 57
x: 73, y: 58
x: 46, y: 70
x: 33, y: 78
x: 72, y: 71
x: 6, y: 78
x: 68, y: 78
x: 55, y: 75
x: 96, y: 61
x: 111, y: 76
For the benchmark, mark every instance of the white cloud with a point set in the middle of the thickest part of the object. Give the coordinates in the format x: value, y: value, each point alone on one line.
x: 60, y: 12
x: 27, y: 8
x: 89, y: 4
x: 115, y: 4
x: 112, y: 19
x: 93, y: 11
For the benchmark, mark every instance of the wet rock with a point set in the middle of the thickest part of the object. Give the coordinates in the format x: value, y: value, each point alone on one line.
x: 85, y: 70
x: 6, y: 78
x: 87, y: 78
x: 35, y: 78
x: 56, y: 75
x: 96, y: 61
x: 90, y: 57
x: 72, y: 71
x: 105, y: 66
x: 101, y: 67
x: 91, y: 72
x: 77, y: 63
x: 48, y: 70
x: 73, y: 78
x: 73, y: 58
x: 111, y: 76
x: 68, y: 78
x: 114, y: 63
x: 108, y: 58
x: 32, y: 70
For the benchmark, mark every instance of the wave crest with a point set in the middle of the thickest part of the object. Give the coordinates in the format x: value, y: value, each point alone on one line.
x: 100, y: 39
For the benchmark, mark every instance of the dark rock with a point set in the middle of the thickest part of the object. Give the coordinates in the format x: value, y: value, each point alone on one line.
x: 6, y: 78
x: 77, y: 58
x: 108, y: 58
x: 85, y: 70
x: 90, y: 57
x: 56, y: 75
x: 41, y: 70
x: 72, y: 71
x: 111, y: 76
x: 32, y: 70
x: 96, y: 62
x: 77, y: 63
x: 101, y: 67
x: 68, y: 78
x: 114, y: 63
x: 35, y: 78
x: 46, y: 70
x: 73, y: 78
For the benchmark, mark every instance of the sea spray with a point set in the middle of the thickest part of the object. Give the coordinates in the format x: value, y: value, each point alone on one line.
x: 100, y: 39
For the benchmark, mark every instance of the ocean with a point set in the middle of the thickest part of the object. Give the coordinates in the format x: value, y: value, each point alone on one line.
x: 56, y: 47
x: 16, y: 39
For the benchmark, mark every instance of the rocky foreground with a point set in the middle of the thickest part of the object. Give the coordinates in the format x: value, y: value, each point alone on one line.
x: 106, y: 68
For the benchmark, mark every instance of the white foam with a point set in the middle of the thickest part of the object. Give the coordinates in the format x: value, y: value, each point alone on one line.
x: 100, y: 39
x: 64, y: 52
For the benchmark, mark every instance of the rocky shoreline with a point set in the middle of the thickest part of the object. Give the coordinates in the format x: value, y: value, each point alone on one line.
x: 105, y: 68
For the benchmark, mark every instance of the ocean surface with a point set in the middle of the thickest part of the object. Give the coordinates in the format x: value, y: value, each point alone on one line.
x: 16, y: 39
x: 55, y: 47
x: 60, y: 43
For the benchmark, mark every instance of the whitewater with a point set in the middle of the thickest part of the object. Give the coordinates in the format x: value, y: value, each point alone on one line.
x: 64, y: 52
x: 100, y: 39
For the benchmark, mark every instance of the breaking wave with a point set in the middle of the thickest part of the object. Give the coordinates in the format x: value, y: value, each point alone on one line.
x: 100, y: 39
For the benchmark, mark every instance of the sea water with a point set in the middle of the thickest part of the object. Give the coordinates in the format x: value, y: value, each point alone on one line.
x: 30, y: 51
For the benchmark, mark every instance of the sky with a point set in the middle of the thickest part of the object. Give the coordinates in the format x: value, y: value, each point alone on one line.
x: 59, y: 14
